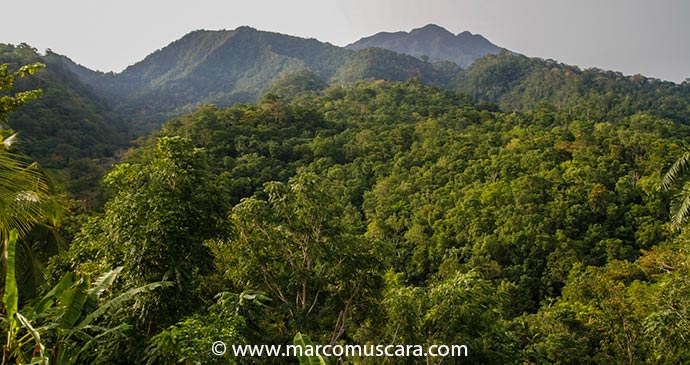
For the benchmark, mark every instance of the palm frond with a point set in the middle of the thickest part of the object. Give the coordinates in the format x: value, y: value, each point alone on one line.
x: 103, y: 282
x: 681, y: 165
x: 681, y: 212
x: 22, y: 191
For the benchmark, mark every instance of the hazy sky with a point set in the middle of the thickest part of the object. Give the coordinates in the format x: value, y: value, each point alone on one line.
x: 651, y: 37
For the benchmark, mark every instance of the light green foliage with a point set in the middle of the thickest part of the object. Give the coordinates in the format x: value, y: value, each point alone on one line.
x: 481, y: 214
x: 189, y: 341
x: 162, y: 211
x: 301, y: 245
x: 665, y: 303
x: 600, y: 315
x: 304, y: 342
x: 9, y: 103
x: 397, y: 213
x: 557, y: 335
x: 464, y: 309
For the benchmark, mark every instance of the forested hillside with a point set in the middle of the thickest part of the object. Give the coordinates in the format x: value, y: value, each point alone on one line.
x: 517, y: 82
x: 395, y: 213
x: 520, y: 207
x: 229, y: 66
x: 70, y: 129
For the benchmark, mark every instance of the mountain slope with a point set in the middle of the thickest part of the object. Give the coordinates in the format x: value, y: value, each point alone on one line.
x: 516, y: 82
x: 226, y: 67
x: 433, y: 42
x: 219, y: 67
x: 69, y: 129
x: 382, y: 64
x: 68, y: 112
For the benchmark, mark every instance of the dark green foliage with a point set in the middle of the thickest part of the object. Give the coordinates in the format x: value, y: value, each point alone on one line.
x: 290, y: 84
x: 63, y: 324
x: 303, y: 246
x: 380, y: 64
x: 189, y: 341
x: 157, y: 221
x: 226, y: 67
x: 520, y: 216
x: 388, y: 212
x: 67, y: 113
x: 397, y: 212
x: 155, y: 226
x: 520, y: 83
x: 69, y: 127
x: 219, y: 67
x: 8, y: 101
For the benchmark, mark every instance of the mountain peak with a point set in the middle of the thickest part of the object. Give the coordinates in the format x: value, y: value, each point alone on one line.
x: 431, y: 28
x: 245, y: 28
x: 433, y: 42
x: 431, y: 33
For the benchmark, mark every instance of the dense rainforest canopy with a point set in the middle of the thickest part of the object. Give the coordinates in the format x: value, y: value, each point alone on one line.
x: 521, y: 216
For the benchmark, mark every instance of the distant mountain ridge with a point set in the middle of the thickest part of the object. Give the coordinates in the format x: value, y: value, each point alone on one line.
x: 225, y: 67
x: 228, y: 66
x: 434, y: 42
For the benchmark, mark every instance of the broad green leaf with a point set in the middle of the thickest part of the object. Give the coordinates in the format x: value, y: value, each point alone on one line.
x: 11, y: 296
x: 47, y: 301
x: 72, y: 302
x: 304, y: 341
x: 120, y: 299
x: 117, y: 330
x: 677, y: 170
x: 103, y: 283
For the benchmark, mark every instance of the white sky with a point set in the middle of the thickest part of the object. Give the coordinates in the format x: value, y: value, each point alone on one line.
x: 651, y: 37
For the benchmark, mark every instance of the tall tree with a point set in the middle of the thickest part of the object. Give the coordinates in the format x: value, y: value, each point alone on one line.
x: 157, y: 221
x: 302, y: 244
